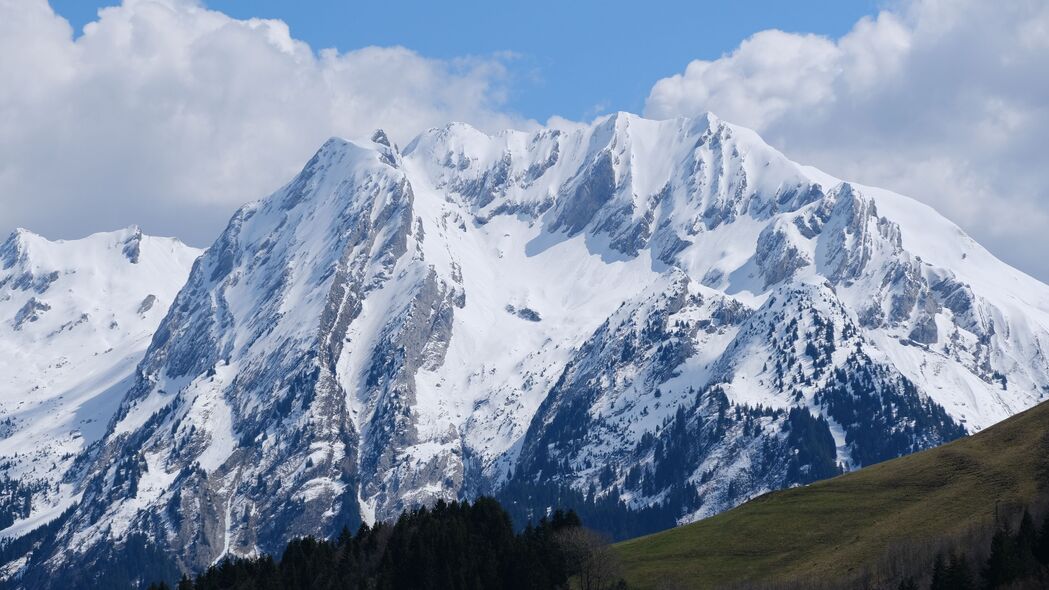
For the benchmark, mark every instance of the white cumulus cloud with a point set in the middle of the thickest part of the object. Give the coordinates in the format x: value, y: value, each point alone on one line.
x: 943, y: 100
x: 170, y: 115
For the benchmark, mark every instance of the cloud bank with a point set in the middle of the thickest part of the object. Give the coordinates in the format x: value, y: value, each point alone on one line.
x: 169, y: 115
x: 943, y: 100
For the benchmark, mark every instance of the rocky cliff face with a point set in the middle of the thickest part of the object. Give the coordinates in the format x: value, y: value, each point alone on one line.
x: 666, y: 313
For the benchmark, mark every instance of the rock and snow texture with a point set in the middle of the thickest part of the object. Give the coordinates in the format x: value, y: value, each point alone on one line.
x: 666, y: 312
x: 75, y: 319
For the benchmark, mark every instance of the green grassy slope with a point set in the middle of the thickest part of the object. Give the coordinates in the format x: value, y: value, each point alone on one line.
x: 830, y: 529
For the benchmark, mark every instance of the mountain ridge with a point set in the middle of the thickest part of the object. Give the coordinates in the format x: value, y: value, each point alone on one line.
x: 664, y: 313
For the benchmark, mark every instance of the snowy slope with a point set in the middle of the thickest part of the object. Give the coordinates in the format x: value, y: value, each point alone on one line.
x: 75, y: 319
x: 666, y: 313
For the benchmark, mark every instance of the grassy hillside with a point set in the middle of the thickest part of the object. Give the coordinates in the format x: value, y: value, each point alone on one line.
x: 828, y: 531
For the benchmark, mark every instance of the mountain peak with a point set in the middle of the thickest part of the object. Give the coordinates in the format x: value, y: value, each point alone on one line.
x: 661, y: 313
x: 13, y: 248
x: 380, y: 138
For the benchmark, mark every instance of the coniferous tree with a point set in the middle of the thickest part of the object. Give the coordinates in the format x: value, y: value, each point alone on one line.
x: 939, y: 574
x: 1026, y: 546
x: 1002, y: 563
x: 1042, y: 546
x: 958, y: 575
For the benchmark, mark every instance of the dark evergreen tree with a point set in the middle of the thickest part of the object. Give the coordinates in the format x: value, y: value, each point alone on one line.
x: 939, y: 574
x: 1026, y: 546
x: 959, y: 575
x: 815, y: 454
x: 1003, y: 564
x: 1042, y: 546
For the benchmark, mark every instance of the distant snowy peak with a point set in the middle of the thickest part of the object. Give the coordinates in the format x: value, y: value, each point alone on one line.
x: 666, y: 313
x: 75, y: 318
x: 96, y: 273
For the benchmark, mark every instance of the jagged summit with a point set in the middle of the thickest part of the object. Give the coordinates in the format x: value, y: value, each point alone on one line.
x: 666, y: 313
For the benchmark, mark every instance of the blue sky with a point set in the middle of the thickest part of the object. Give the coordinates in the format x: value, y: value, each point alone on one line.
x: 573, y: 59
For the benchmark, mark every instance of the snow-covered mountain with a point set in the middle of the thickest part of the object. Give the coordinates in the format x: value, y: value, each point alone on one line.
x: 667, y: 313
x: 75, y: 319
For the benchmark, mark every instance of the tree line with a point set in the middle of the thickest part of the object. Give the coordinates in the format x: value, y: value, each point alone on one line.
x: 1017, y: 558
x: 451, y: 546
